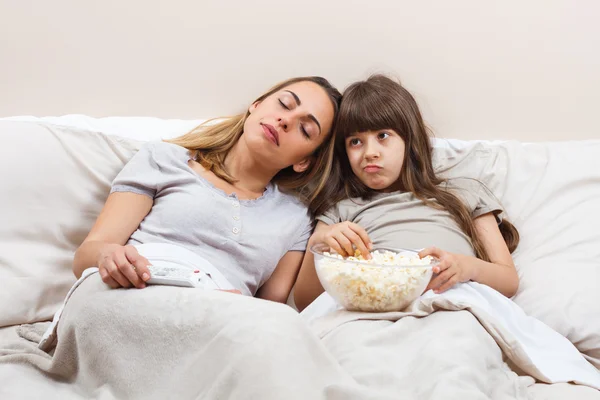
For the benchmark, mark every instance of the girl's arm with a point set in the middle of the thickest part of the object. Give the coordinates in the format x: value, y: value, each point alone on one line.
x: 104, y: 246
x: 499, y: 274
x: 279, y: 285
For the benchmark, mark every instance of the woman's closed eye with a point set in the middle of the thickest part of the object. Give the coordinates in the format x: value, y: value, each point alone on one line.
x: 283, y: 105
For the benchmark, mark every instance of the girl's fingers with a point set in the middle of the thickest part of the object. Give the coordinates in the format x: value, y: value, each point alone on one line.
x: 358, y: 242
x: 334, y: 245
x: 431, y: 251
x: 440, y: 279
x: 449, y: 284
x: 363, y: 235
x: 441, y: 266
x: 345, y: 243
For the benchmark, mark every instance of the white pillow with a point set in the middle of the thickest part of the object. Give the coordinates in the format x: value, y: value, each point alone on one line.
x: 138, y: 128
x: 54, y: 183
x: 551, y: 192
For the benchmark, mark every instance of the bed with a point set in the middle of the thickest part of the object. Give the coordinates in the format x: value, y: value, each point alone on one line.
x: 158, y: 343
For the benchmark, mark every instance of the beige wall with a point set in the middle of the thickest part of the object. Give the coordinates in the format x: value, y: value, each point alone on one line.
x: 480, y: 69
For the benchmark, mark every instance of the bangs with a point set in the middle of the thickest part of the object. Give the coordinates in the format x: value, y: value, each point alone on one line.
x: 364, y: 108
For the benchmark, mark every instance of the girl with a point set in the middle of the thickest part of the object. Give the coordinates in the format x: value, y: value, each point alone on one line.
x: 391, y: 198
x: 237, y: 193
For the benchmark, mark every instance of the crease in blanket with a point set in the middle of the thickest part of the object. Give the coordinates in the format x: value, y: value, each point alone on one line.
x: 531, y: 345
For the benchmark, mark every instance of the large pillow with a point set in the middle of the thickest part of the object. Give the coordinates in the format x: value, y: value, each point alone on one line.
x: 551, y: 192
x: 53, y: 182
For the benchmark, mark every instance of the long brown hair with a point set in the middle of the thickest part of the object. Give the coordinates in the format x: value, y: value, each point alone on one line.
x: 381, y: 103
x: 210, y: 142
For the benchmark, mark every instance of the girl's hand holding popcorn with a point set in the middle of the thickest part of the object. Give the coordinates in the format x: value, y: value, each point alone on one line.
x: 450, y: 270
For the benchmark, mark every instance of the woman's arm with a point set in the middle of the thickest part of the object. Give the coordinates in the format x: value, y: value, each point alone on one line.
x: 308, y: 287
x: 499, y: 274
x: 120, y: 217
x: 279, y: 285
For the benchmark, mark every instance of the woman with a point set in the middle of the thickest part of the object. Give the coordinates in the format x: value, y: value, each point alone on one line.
x: 238, y: 192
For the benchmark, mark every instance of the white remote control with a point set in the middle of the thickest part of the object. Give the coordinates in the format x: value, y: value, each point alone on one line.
x: 176, y: 276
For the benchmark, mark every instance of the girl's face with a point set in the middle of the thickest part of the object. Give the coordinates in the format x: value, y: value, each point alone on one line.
x: 376, y: 158
x: 288, y: 126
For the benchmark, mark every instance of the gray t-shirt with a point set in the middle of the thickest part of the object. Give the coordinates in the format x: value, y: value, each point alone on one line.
x: 244, y: 239
x: 399, y: 220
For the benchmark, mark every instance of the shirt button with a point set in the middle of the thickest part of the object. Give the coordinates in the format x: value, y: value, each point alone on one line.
x: 236, y: 217
x: 236, y: 230
x: 236, y: 205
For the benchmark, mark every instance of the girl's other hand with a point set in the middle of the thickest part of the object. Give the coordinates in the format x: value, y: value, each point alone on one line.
x: 448, y: 272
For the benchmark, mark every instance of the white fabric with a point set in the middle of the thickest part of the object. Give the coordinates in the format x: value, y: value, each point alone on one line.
x: 137, y: 128
x: 556, y: 359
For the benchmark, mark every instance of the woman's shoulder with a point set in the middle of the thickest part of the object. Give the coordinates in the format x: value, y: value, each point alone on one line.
x: 289, y: 201
x: 164, y: 152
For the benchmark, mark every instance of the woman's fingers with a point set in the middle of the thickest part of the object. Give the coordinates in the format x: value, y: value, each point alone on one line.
x: 128, y: 270
x: 106, y: 278
x: 114, y: 272
x: 139, y: 262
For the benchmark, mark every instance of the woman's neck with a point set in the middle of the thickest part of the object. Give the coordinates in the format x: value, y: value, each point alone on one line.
x: 250, y: 175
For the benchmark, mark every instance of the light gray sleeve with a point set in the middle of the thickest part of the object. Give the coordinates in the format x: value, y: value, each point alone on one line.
x: 477, y: 197
x: 487, y: 202
x: 302, y: 241
x: 140, y: 175
x: 331, y: 216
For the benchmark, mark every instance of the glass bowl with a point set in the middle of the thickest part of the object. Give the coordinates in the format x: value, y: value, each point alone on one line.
x: 392, y: 280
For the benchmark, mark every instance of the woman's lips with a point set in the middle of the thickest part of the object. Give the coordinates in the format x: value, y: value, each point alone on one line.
x: 271, y: 133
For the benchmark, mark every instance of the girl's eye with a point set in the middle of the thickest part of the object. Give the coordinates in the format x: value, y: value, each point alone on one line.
x: 354, y: 142
x: 383, y: 135
x: 283, y: 105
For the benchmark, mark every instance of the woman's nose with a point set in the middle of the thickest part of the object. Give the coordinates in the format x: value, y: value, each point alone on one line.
x: 283, y: 123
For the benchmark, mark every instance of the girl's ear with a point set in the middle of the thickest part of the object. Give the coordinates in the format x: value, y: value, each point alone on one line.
x: 302, y: 165
x: 253, y: 107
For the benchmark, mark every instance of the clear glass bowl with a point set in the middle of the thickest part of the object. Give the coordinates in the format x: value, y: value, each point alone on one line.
x: 366, y: 286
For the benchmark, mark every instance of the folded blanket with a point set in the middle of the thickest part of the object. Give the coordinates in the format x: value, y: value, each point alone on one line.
x: 531, y: 345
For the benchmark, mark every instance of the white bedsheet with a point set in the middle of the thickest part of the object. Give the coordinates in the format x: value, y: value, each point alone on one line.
x: 533, y: 346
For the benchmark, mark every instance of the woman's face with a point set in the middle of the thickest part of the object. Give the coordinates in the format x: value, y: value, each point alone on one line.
x: 288, y: 126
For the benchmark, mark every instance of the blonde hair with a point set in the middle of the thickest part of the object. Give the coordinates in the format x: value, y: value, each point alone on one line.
x: 210, y: 142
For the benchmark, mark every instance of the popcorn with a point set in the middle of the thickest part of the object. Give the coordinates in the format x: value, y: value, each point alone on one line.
x: 364, y: 285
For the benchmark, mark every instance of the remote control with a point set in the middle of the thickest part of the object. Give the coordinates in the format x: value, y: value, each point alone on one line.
x: 176, y: 276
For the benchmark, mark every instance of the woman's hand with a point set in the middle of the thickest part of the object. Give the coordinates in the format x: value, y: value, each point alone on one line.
x: 449, y: 271
x: 123, y: 266
x: 340, y: 237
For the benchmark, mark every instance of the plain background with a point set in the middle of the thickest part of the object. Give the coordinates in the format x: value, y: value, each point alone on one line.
x: 509, y: 69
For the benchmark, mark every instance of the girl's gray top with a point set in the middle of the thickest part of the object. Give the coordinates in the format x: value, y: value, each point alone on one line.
x: 399, y: 220
x: 244, y: 239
